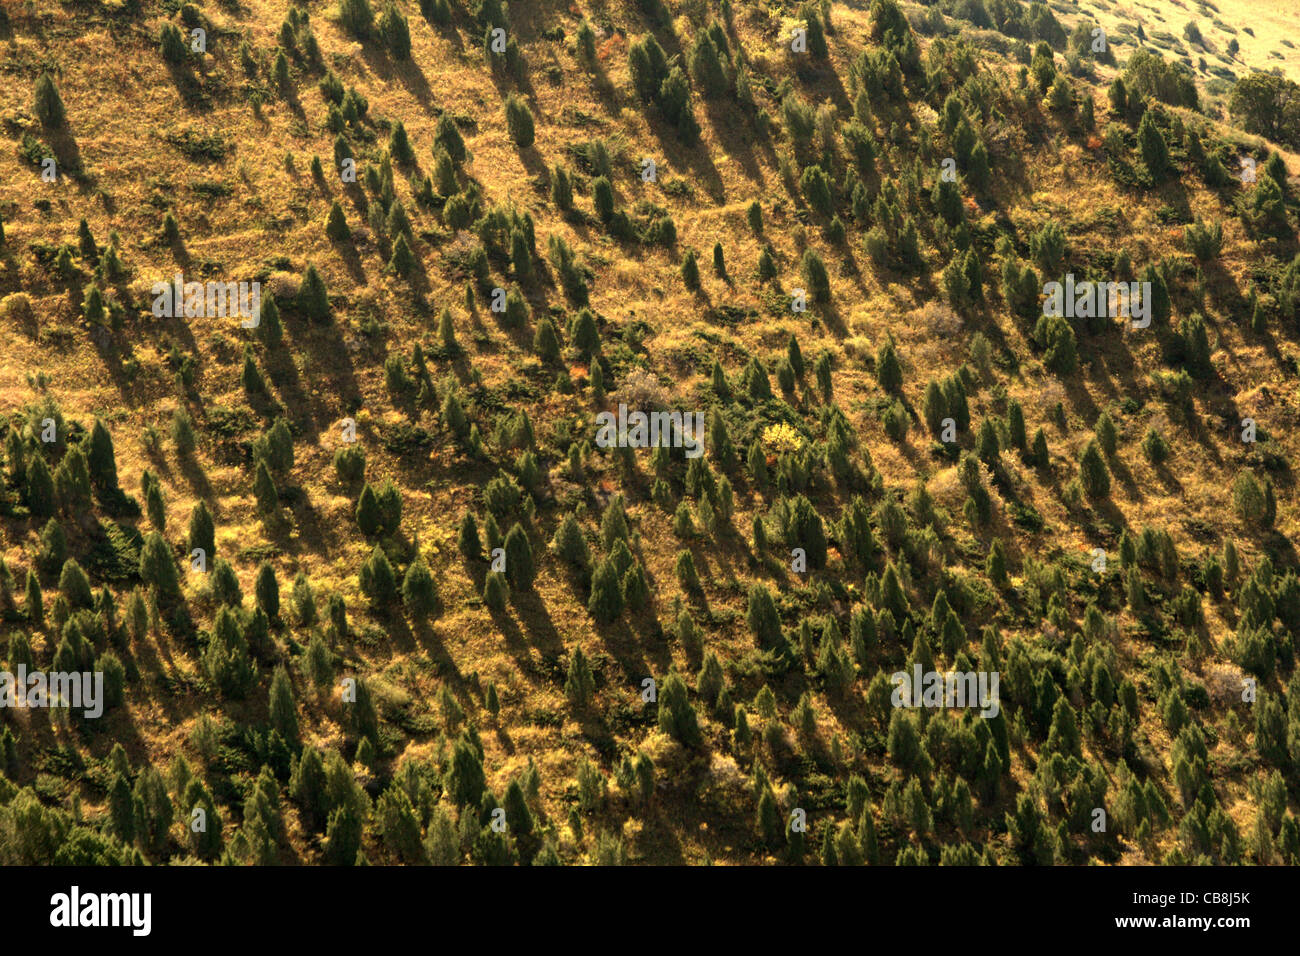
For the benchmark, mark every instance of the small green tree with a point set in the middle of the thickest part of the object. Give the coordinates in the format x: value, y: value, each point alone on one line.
x: 606, y: 601
x: 203, y: 530
x: 49, y: 104
x: 579, y: 685
x: 313, y: 300
x: 519, y: 121
x: 520, y: 569
x: 358, y: 19
x: 690, y: 271
x: 418, y: 591
x: 1093, y: 473
x: 283, y: 710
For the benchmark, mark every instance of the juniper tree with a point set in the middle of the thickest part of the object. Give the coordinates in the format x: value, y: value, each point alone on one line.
x: 676, y: 715
x: 805, y: 530
x: 519, y: 121
x: 267, y: 590
x: 396, y: 33
x: 49, y: 105
x: 357, y: 18
x: 635, y: 590
x: 467, y: 539
x: 1107, y: 436
x: 585, y: 38
x: 561, y: 189
x: 1155, y: 152
x: 280, y: 71
x: 447, y: 136
x: 889, y: 372
x: 336, y: 226
x: 706, y: 66
x: 343, y: 837
x: 606, y: 600
x: 202, y: 530
x: 764, y: 622
x: 34, y: 603
x: 225, y: 584
x: 756, y: 380
x: 719, y: 262
x: 996, y: 566
x: 1093, y: 474
x: 496, y: 592
x: 303, y: 599
x: 283, y: 710
x: 72, y: 482
x: 815, y: 275
x: 648, y: 66
x: 313, y: 301
x: 265, y: 491
x: 121, y: 810
x: 690, y: 271
x: 584, y: 335
x: 402, y: 262
x: 269, y: 327
x: 74, y: 585
x: 158, y: 567
x: 570, y: 543
x: 418, y: 591
x: 520, y: 569
x: 226, y: 659
x: 1248, y: 498
x: 579, y: 685
x: 546, y: 341
x: 276, y: 447
x: 40, y: 497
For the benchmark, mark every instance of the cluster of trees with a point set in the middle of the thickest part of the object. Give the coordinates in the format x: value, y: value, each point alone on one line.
x: 815, y: 494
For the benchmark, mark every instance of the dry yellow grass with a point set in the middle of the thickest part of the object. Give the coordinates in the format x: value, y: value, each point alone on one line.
x: 121, y: 102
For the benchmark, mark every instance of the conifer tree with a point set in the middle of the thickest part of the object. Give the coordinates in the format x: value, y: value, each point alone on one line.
x: 336, y: 224
x: 265, y: 491
x: 49, y: 105
x: 101, y: 461
x: 357, y: 18
x: 203, y: 530
x: 418, y: 592
x: 267, y: 589
x: 546, y: 341
x: 313, y: 301
x: 1155, y: 152
x: 606, y: 601
x: 570, y: 543
x: 520, y: 569
x: 676, y: 715
x: 579, y: 685
x: 1093, y: 473
x: 40, y: 488
x: 447, y: 136
x: 158, y: 567
x: 889, y: 373
x: 815, y: 275
x: 690, y: 271
x: 283, y: 710
x: 519, y: 121
x: 495, y: 591
x: 396, y: 33
x: 764, y: 622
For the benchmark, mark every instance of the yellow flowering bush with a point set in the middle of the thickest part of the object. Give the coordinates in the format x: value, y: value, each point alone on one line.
x: 781, y: 438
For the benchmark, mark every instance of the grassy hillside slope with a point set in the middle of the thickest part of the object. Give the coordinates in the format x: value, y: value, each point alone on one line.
x: 401, y: 720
